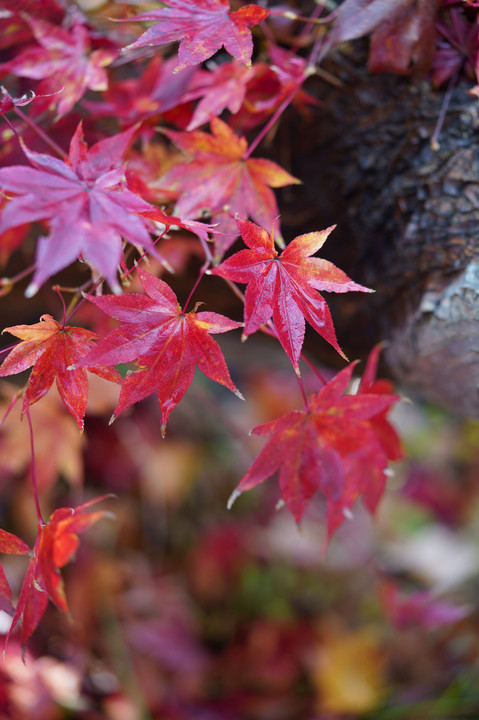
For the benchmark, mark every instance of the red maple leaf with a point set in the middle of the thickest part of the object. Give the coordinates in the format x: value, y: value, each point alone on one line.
x: 457, y: 48
x: 55, y: 545
x: 222, y: 87
x: 87, y: 202
x: 284, y: 287
x: 202, y: 27
x: 165, y: 342
x: 63, y: 60
x: 222, y: 179
x: 331, y: 447
x: 273, y: 84
x: 135, y: 100
x: 51, y: 349
x: 385, y: 432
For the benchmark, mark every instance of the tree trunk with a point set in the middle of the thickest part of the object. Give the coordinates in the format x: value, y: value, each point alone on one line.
x: 407, y: 220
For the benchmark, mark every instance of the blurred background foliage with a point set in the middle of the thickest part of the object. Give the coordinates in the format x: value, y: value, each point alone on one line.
x: 183, y: 609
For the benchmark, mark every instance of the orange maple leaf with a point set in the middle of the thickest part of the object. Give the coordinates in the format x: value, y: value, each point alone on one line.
x: 222, y: 179
x: 52, y: 348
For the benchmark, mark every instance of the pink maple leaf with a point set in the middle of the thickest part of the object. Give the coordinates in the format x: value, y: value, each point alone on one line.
x: 87, y: 203
x: 64, y: 61
x: 202, y: 27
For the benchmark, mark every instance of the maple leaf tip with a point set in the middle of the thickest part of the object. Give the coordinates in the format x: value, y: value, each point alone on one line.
x: 31, y: 290
x: 163, y: 430
x: 232, y: 498
x: 238, y: 394
x: 112, y: 419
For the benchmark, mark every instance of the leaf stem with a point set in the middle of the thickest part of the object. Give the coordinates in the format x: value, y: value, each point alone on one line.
x: 278, y: 112
x: 7, y: 282
x: 41, y: 521
x: 203, y: 269
x: 303, y: 392
x: 312, y: 366
x: 76, y: 302
x: 12, y: 127
x: 290, y: 15
x: 33, y: 126
x: 10, y: 407
x: 442, y: 112
x: 56, y: 288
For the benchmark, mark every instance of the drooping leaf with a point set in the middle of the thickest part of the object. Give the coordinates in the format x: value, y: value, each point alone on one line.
x: 222, y: 180
x: 135, y: 100
x: 202, y: 27
x: 457, y: 47
x: 406, y: 41
x: 284, y: 287
x: 55, y: 546
x: 87, y: 202
x: 272, y: 84
x: 332, y: 447
x: 51, y: 349
x: 64, y: 62
x: 166, y: 343
x: 403, y: 32
x: 221, y: 88
x: 385, y: 432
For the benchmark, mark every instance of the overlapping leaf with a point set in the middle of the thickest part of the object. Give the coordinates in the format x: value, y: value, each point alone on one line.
x: 221, y: 179
x: 202, y: 27
x: 332, y: 447
x: 87, y: 203
x: 55, y: 546
x: 135, y: 100
x: 222, y: 87
x: 403, y: 32
x: 284, y: 287
x: 64, y: 62
x: 51, y: 349
x: 166, y: 343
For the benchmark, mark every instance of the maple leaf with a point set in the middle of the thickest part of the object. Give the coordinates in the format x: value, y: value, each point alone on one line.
x: 56, y: 543
x: 222, y: 87
x: 166, y: 343
x: 220, y: 176
x: 135, y: 100
x: 86, y: 200
x: 403, y: 32
x: 457, y: 48
x: 385, y: 432
x: 406, y: 40
x: 202, y: 27
x: 51, y: 348
x: 273, y: 84
x: 63, y: 60
x: 284, y: 287
x: 332, y: 447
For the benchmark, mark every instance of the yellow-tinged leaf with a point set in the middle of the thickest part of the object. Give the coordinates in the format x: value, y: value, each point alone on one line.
x: 349, y: 671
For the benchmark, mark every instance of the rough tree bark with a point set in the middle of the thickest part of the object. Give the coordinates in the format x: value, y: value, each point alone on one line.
x: 408, y: 221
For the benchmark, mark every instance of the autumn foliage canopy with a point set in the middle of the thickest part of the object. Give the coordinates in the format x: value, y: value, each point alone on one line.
x: 133, y: 144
